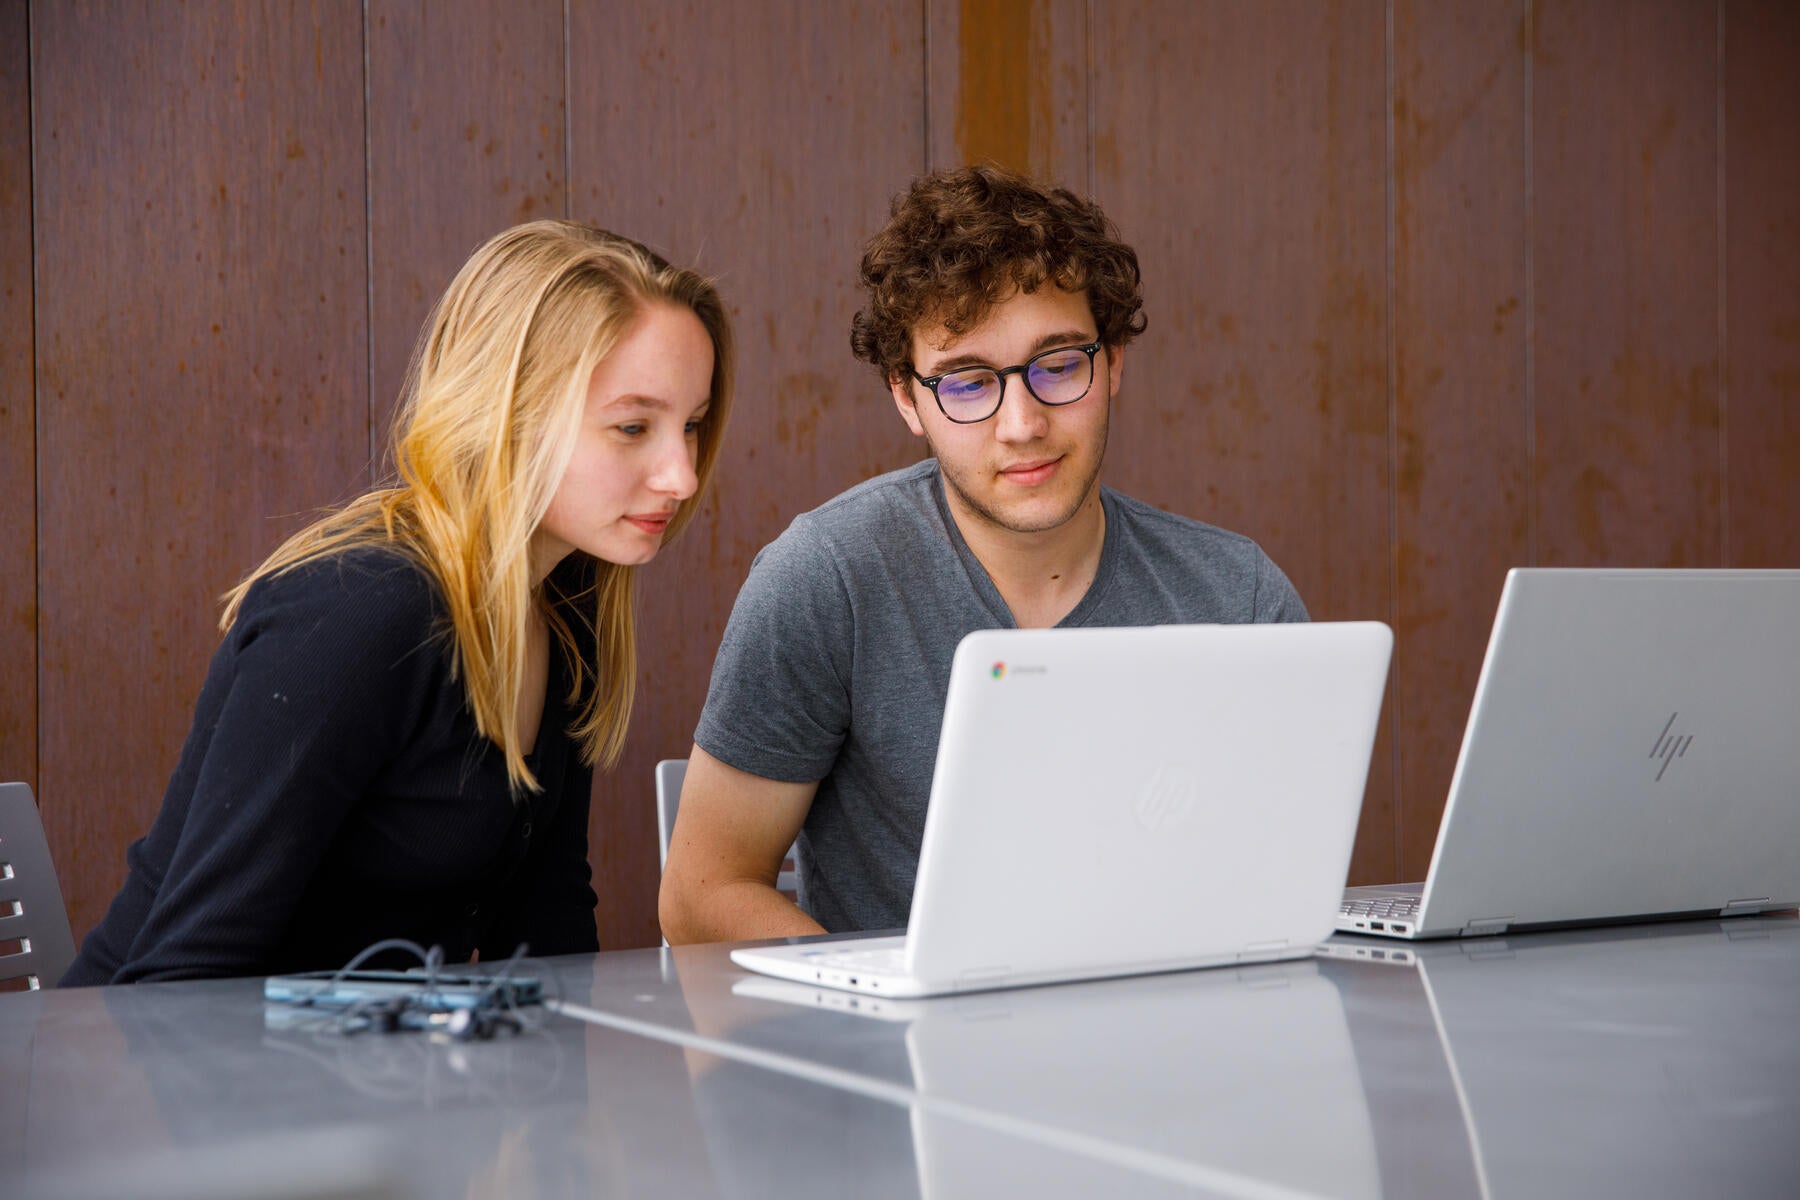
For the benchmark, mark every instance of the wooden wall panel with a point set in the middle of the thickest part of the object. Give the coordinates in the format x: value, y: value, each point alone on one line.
x: 1762, y: 281
x: 1462, y: 464
x: 1007, y: 82
x: 203, y: 369
x: 18, y: 410
x: 1242, y: 150
x: 1625, y: 257
x: 465, y: 138
x: 760, y: 143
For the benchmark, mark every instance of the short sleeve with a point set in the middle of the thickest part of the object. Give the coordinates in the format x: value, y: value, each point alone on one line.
x: 1276, y: 599
x: 324, y: 672
x: 779, y: 702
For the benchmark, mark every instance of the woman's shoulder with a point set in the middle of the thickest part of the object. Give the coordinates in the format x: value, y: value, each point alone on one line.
x: 364, y: 593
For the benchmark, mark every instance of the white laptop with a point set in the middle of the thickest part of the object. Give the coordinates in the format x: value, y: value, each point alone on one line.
x: 1633, y: 753
x: 1122, y: 801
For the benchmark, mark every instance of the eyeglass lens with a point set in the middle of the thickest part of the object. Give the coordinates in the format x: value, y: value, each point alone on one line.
x: 1054, y: 377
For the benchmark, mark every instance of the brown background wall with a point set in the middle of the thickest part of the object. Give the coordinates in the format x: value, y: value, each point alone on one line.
x: 1435, y: 289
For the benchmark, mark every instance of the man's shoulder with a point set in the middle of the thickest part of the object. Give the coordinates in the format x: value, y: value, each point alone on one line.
x: 875, y: 513
x: 1157, y: 530
x: 1171, y: 567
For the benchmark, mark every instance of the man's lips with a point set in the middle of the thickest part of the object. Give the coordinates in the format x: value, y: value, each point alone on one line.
x: 649, y: 522
x: 1027, y: 474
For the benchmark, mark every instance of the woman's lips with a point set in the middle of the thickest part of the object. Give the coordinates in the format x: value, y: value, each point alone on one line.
x: 1030, y: 474
x: 649, y: 522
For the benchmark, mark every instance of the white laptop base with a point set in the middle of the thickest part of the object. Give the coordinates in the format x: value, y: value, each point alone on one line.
x: 1629, y: 757
x: 1124, y: 801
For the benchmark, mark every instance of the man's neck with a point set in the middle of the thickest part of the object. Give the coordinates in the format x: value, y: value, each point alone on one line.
x: 1042, y: 576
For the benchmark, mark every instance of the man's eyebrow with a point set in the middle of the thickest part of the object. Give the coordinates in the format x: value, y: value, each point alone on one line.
x: 1065, y: 337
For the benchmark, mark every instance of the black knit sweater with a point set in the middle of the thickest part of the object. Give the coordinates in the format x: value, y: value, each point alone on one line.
x: 333, y: 791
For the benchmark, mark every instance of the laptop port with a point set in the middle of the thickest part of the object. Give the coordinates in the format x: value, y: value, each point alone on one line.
x: 1376, y: 925
x: 853, y: 981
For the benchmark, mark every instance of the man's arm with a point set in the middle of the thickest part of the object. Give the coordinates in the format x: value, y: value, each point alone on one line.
x: 732, y: 832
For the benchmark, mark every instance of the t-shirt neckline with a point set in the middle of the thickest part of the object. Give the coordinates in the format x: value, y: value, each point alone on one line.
x: 983, y: 583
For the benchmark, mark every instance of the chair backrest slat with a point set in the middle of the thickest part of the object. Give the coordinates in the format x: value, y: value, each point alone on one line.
x: 31, y: 901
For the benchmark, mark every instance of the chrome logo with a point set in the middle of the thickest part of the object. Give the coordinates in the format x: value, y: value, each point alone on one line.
x: 999, y: 670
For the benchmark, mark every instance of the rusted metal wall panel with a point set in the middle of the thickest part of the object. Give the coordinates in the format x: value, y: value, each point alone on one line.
x: 207, y: 369
x: 202, y: 365
x: 1242, y: 150
x: 1007, y: 82
x: 759, y: 143
x: 1462, y: 457
x: 1625, y: 260
x: 465, y: 138
x: 18, y: 410
x: 1762, y: 272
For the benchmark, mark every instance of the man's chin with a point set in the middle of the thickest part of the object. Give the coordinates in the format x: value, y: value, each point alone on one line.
x: 1028, y: 515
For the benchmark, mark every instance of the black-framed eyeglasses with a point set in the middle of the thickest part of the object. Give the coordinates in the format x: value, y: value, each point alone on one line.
x: 971, y: 395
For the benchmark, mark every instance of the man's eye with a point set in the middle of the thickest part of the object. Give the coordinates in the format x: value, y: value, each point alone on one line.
x: 963, y: 388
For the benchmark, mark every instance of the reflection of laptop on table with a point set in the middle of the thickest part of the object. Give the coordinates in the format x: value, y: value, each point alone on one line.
x: 1121, y: 801
x: 1146, y: 1087
x: 1630, y: 755
x: 1605, y: 1062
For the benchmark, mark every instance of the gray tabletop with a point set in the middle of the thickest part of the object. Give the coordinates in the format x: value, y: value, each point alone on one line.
x: 1643, y: 1061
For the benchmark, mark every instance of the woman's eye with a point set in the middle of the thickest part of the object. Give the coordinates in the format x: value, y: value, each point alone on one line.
x: 693, y: 426
x: 633, y: 429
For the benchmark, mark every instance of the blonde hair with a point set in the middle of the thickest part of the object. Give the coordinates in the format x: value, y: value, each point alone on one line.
x: 485, y: 429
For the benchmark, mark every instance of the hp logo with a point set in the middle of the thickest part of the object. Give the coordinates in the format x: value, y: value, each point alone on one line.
x: 1167, y: 799
x: 1670, y: 747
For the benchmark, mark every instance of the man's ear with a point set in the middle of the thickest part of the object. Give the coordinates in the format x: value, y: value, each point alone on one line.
x: 903, y: 400
x: 1115, y: 367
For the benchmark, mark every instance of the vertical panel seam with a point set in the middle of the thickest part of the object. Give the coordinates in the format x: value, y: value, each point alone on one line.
x: 371, y: 470
x: 1087, y: 13
x: 1724, y: 372
x: 1531, y: 466
x: 568, y: 110
x: 925, y: 83
x: 1395, y: 698
x: 37, y: 419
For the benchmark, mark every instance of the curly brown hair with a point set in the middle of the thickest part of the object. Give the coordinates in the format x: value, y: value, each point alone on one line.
x: 959, y: 242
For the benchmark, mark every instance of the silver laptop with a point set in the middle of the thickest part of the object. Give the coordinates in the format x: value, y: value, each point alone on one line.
x: 1122, y: 801
x: 1633, y: 753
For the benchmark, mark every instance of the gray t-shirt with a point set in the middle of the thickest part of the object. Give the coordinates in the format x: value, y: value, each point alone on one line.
x: 836, y: 661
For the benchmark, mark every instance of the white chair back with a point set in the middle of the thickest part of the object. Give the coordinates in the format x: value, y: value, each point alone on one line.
x: 670, y: 773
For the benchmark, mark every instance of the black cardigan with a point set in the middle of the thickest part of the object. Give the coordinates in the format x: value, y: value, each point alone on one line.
x: 333, y: 791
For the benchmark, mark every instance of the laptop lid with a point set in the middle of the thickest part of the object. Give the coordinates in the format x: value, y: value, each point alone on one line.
x: 1111, y: 801
x: 1631, y: 752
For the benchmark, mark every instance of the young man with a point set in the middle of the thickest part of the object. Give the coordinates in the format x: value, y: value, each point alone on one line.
x: 998, y: 315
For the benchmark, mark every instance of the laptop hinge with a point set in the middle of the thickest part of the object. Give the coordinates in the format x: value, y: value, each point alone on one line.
x: 1743, y: 908
x: 1486, y: 927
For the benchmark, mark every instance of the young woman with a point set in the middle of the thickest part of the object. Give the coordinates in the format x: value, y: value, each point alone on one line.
x: 397, y: 735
